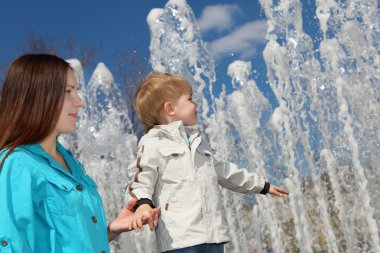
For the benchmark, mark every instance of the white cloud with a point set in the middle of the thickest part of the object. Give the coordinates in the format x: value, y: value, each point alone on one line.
x: 219, y: 17
x: 243, y: 40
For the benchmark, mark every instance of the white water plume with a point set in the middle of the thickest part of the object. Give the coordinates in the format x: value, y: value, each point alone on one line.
x: 322, y: 142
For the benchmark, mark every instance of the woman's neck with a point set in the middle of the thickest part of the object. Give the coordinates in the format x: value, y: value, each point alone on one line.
x: 49, y: 145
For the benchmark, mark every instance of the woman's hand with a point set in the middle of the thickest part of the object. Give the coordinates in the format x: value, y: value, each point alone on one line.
x: 127, y: 220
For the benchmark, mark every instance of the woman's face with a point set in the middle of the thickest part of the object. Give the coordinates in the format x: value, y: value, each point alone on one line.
x: 71, y: 104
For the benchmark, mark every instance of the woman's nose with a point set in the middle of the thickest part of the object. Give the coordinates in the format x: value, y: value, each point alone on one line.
x: 79, y: 101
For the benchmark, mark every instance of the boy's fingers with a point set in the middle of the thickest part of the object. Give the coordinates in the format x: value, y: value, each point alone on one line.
x: 139, y: 224
x: 144, y: 219
x: 154, y: 213
x: 277, y: 191
x: 134, y: 225
x: 130, y: 227
x: 152, y: 220
x: 151, y: 226
x: 282, y: 191
x: 157, y: 212
x: 285, y: 192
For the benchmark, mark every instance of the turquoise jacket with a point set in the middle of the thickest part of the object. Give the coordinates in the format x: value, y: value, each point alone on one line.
x: 44, y: 208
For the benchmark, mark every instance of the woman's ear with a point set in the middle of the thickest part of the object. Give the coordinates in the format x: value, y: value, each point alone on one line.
x: 168, y: 109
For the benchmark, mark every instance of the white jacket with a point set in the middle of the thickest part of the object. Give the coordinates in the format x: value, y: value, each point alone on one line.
x: 183, y: 180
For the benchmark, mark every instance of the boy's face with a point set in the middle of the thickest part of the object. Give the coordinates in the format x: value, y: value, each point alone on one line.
x: 186, y: 110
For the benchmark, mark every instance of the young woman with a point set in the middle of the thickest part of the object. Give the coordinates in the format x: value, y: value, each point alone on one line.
x: 48, y: 202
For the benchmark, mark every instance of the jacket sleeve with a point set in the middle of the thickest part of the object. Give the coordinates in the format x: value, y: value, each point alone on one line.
x: 17, y: 229
x: 237, y: 179
x: 143, y: 173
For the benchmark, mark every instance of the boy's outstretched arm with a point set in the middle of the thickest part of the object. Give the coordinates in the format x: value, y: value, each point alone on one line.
x: 237, y: 179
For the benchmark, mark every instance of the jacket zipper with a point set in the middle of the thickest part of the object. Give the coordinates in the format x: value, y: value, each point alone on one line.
x: 187, y: 140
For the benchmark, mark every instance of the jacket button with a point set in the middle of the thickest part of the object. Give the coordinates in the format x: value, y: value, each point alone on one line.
x: 94, y: 219
x: 79, y: 188
x: 4, y: 243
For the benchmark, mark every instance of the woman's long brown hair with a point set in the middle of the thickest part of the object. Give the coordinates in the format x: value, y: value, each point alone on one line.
x: 31, y: 100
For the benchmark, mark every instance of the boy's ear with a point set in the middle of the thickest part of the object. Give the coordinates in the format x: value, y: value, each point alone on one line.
x: 168, y: 108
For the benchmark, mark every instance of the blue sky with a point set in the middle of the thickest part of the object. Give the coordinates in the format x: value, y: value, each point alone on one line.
x: 233, y: 29
x: 117, y: 25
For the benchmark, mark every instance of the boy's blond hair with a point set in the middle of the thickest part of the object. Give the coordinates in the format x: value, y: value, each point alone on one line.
x: 154, y: 92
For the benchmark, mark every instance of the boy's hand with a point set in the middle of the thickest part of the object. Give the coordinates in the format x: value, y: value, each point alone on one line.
x: 152, y: 221
x: 127, y: 218
x: 144, y: 214
x: 277, y: 191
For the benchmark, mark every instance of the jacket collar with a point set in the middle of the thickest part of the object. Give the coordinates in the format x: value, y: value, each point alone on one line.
x: 37, y: 149
x: 175, y: 130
